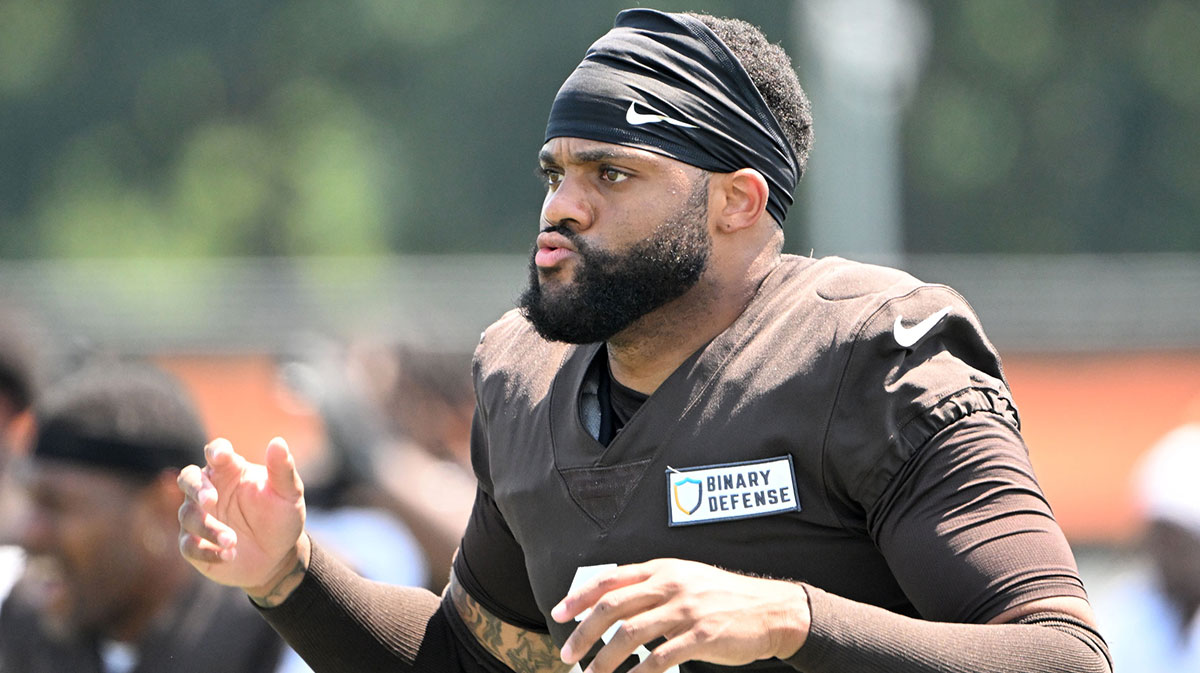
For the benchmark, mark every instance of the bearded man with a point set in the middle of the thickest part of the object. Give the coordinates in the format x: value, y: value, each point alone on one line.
x: 693, y: 451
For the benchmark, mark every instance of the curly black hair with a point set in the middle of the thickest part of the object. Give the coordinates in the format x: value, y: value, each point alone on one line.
x: 770, y: 68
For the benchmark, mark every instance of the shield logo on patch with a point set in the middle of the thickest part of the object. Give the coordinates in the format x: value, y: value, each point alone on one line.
x: 688, y: 493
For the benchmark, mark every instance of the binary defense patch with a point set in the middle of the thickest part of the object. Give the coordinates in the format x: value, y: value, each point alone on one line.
x: 731, y: 491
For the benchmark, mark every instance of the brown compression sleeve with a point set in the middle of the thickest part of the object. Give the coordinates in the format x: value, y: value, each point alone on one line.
x: 850, y: 636
x: 338, y: 621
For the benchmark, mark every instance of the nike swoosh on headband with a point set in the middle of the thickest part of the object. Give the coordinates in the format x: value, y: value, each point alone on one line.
x: 715, y: 119
x: 636, y: 118
x: 909, y: 336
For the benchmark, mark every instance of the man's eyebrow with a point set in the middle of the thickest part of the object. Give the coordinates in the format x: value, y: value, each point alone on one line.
x: 591, y: 155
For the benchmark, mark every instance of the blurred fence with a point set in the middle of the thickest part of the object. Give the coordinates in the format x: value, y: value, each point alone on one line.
x: 1043, y: 304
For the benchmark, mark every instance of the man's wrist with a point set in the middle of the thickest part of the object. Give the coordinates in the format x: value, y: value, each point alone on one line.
x: 287, y: 576
x: 793, y: 630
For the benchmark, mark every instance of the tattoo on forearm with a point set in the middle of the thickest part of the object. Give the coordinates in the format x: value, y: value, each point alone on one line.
x: 283, y: 588
x: 521, y: 650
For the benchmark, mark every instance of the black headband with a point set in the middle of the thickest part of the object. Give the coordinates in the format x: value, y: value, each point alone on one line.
x: 58, y: 440
x: 665, y: 83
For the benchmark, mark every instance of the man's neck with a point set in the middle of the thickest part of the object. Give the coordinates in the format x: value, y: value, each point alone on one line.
x: 644, y: 354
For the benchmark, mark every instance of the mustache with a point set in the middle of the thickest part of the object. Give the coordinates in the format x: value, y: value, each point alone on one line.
x: 566, y: 232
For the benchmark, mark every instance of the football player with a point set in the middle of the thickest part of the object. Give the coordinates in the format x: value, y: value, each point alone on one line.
x: 693, y: 451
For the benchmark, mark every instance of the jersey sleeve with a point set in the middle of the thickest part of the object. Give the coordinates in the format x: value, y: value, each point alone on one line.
x: 925, y: 456
x: 967, y: 531
x: 917, y: 362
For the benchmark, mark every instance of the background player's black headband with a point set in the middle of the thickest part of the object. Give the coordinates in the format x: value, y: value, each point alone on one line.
x: 58, y: 440
x: 665, y: 83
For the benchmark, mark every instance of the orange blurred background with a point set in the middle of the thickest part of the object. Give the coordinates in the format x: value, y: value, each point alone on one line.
x: 1086, y: 419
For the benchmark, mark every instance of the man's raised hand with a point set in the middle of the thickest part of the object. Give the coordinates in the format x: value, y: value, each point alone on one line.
x: 242, y: 524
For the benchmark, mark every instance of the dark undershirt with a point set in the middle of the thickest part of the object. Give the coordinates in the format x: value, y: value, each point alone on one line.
x: 618, y: 403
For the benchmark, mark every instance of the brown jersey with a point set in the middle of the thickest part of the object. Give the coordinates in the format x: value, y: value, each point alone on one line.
x: 852, y: 429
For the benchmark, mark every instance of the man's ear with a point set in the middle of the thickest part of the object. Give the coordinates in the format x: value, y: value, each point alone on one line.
x: 162, y: 494
x: 153, y: 513
x: 744, y: 195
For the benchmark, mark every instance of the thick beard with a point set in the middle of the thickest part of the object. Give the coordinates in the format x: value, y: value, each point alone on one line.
x: 613, y: 289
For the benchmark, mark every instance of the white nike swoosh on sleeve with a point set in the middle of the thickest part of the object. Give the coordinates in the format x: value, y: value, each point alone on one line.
x: 908, y: 336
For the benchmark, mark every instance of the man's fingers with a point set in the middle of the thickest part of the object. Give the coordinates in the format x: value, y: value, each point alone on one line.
x: 197, y: 550
x: 196, y: 486
x: 631, y: 635
x: 673, y: 652
x: 224, y: 463
x: 621, y: 602
x: 219, y: 452
x: 203, y: 538
x: 281, y: 470
x: 195, y: 521
x: 584, y: 597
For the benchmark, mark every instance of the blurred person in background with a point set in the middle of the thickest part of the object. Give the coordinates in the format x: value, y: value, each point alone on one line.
x: 351, y: 512
x: 428, y: 401
x: 17, y: 390
x: 393, y: 488
x: 105, y: 589
x: 1150, y: 617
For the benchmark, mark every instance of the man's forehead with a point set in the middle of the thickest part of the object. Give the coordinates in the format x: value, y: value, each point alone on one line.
x: 566, y: 150
x: 70, y: 477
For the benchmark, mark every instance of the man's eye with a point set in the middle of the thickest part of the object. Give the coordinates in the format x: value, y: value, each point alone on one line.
x: 550, y: 177
x: 613, y: 175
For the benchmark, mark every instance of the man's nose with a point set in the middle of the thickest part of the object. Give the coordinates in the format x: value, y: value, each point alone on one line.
x: 569, y: 204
